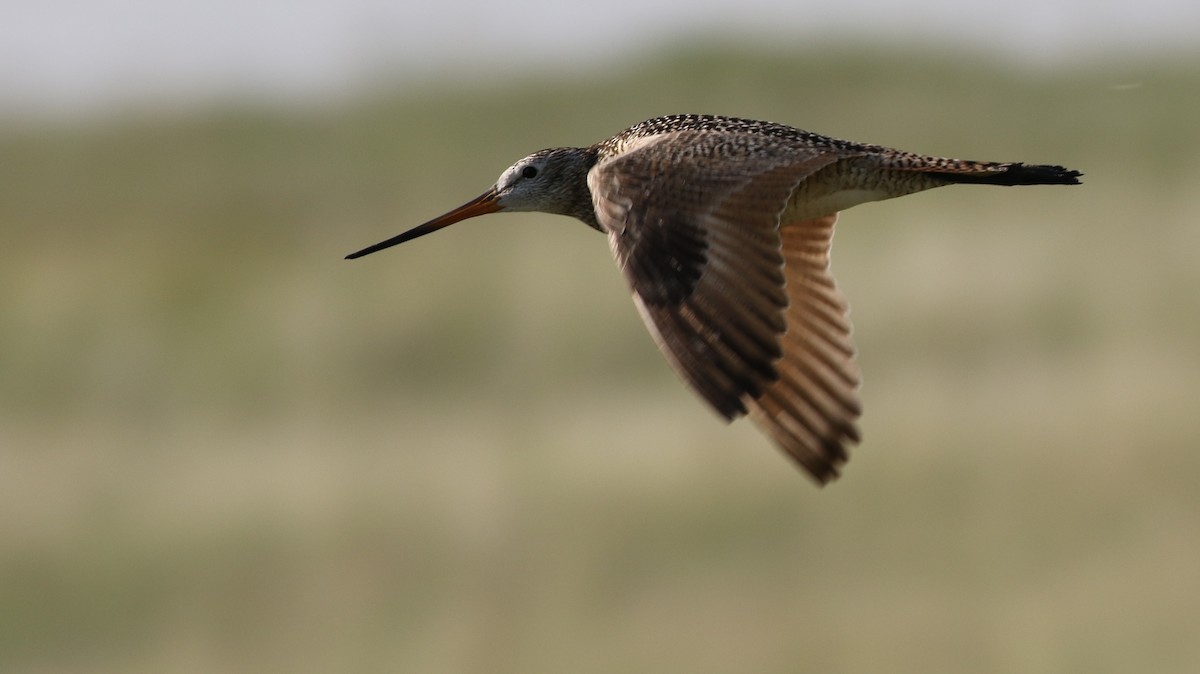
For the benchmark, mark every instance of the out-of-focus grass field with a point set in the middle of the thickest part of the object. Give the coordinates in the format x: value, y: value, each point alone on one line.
x: 225, y: 449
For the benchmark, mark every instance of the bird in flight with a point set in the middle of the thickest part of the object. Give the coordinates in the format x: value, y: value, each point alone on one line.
x: 723, y: 227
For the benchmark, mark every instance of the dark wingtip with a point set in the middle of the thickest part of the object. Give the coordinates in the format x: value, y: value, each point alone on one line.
x: 1038, y: 174
x: 826, y: 470
x: 1017, y: 174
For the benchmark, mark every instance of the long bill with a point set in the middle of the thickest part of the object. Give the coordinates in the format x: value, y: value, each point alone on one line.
x: 488, y: 202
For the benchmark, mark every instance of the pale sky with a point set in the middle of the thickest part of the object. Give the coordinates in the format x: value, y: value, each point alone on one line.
x: 82, y: 54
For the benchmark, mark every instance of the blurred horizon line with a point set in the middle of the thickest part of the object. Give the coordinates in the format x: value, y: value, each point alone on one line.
x: 111, y: 56
x: 389, y: 79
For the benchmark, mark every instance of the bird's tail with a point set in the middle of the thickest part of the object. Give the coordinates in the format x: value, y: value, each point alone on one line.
x: 948, y: 171
x: 1007, y: 174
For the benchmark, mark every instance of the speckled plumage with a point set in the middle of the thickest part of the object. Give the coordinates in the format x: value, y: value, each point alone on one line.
x: 722, y: 125
x: 722, y: 227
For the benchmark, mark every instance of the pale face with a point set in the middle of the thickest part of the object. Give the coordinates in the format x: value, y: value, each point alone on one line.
x: 547, y: 181
x: 523, y: 186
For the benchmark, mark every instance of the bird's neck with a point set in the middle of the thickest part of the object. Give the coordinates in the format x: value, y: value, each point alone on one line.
x: 580, y: 203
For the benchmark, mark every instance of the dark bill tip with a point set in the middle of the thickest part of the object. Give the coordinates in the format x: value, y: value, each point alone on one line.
x: 480, y: 205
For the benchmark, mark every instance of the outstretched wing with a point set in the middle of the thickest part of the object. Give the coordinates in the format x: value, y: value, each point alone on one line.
x: 744, y: 309
x: 811, y: 409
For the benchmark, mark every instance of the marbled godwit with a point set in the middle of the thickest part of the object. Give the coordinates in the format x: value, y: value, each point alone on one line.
x: 723, y: 228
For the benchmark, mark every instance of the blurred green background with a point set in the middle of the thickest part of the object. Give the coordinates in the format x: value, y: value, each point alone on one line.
x: 225, y: 449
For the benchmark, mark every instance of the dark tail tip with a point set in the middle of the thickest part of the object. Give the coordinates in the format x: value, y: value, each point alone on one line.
x: 1017, y: 174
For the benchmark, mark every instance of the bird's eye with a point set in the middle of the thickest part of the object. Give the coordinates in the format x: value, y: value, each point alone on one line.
x: 529, y: 172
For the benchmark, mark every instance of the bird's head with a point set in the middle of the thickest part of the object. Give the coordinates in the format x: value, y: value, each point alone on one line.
x: 547, y: 181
